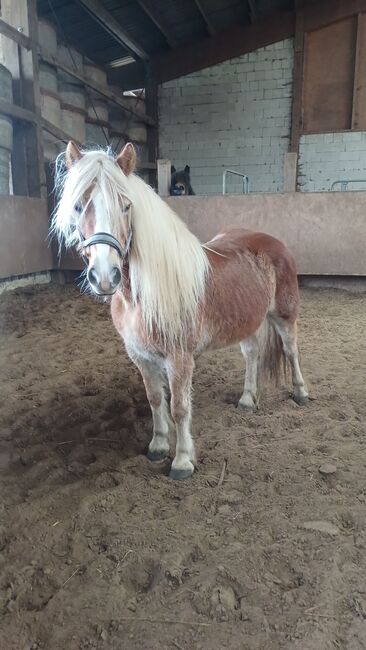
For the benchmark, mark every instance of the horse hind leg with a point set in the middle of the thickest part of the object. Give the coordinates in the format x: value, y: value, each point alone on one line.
x: 250, y: 351
x: 288, y: 333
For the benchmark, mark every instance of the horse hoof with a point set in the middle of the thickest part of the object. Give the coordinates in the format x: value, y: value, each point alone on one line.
x: 247, y: 408
x: 301, y: 400
x: 180, y: 474
x: 156, y: 456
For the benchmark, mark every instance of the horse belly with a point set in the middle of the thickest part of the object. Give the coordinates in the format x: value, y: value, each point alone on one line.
x: 238, y: 301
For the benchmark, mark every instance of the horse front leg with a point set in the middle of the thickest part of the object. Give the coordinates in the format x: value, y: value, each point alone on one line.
x: 154, y: 380
x: 180, y: 371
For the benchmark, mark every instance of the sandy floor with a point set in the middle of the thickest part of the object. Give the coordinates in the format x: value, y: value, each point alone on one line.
x: 99, y: 549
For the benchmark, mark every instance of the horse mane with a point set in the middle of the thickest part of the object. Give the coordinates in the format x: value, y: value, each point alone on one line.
x: 167, y: 264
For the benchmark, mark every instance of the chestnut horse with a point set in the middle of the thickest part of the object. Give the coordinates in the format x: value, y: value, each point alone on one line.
x: 171, y: 297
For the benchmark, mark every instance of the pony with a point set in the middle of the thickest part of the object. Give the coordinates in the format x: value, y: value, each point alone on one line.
x: 180, y: 184
x: 172, y: 297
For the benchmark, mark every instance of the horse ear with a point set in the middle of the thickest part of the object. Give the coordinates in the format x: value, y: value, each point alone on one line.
x: 172, y: 170
x: 127, y: 159
x: 72, y: 154
x: 187, y: 169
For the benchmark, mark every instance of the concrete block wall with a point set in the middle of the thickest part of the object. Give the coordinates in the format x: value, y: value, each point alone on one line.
x: 328, y: 157
x: 235, y: 115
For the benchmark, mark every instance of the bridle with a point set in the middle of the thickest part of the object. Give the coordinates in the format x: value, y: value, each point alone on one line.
x: 109, y: 240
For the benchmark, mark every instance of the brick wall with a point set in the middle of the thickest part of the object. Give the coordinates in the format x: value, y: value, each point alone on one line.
x: 234, y: 115
x: 325, y: 158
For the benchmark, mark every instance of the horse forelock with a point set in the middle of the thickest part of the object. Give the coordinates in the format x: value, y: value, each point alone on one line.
x: 167, y: 265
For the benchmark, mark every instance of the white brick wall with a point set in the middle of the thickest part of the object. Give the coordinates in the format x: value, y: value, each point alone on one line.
x: 234, y: 115
x: 328, y: 157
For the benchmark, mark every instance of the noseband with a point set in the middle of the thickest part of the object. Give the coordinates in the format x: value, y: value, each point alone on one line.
x: 109, y: 240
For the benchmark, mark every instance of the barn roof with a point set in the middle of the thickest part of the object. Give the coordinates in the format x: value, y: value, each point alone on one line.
x: 110, y: 30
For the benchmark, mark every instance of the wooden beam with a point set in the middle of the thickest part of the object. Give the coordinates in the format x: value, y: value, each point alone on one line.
x: 151, y: 101
x: 298, y: 82
x: 225, y: 45
x: 253, y: 10
x: 58, y: 133
x: 15, y: 35
x: 102, y: 90
x: 17, y: 112
x: 158, y: 21
x: 324, y: 13
x: 96, y: 9
x: 210, y: 28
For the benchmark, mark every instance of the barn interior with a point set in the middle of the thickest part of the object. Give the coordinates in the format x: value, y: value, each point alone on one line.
x: 264, y: 100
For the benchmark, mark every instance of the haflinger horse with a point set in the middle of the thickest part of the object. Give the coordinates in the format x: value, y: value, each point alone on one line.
x: 171, y: 296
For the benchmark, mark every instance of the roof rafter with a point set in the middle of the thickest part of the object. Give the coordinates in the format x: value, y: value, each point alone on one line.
x: 210, y: 28
x: 158, y: 21
x: 112, y: 26
x: 253, y: 10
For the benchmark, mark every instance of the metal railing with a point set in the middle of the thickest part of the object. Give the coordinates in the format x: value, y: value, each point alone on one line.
x: 243, y: 176
x: 344, y: 184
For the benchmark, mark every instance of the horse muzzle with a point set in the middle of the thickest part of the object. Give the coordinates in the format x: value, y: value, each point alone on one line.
x: 104, y: 286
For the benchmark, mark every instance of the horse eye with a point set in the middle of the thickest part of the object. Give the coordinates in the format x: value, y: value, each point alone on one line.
x: 127, y: 207
x: 78, y: 208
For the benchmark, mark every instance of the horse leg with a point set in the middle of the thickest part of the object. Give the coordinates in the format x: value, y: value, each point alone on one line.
x: 288, y: 334
x: 250, y: 350
x: 154, y: 381
x: 180, y: 371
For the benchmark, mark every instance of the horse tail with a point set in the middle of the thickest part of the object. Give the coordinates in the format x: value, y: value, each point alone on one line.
x: 271, y: 353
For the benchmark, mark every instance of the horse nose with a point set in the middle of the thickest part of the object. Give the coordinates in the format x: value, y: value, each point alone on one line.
x: 115, y: 276
x: 93, y: 276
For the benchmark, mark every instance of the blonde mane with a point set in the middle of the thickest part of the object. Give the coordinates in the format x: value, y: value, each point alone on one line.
x: 167, y: 264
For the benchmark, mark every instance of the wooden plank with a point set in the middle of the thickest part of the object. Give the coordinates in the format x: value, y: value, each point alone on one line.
x: 151, y: 10
x: 359, y: 87
x: 290, y: 172
x: 16, y: 36
x: 210, y: 28
x: 296, y: 117
x: 328, y: 77
x: 225, y: 45
x: 321, y: 14
x: 112, y: 26
x: 102, y: 90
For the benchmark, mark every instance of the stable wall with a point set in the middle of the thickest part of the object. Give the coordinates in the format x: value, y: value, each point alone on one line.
x: 325, y: 231
x: 24, y: 244
x: 328, y: 157
x: 235, y: 115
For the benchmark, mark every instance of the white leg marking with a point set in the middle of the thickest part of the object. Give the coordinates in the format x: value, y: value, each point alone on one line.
x: 180, y: 381
x: 250, y: 350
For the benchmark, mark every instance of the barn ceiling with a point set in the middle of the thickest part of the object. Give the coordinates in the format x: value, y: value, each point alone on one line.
x: 109, y: 30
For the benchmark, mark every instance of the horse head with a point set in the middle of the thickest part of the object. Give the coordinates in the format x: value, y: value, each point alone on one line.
x: 100, y: 217
x: 180, y: 184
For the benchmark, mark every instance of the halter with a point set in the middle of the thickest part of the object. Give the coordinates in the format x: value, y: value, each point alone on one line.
x: 109, y: 240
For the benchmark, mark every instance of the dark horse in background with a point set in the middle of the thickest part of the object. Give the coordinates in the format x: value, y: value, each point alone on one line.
x: 180, y: 184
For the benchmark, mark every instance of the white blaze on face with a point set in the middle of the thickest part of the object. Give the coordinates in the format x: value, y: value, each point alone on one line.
x: 103, y: 257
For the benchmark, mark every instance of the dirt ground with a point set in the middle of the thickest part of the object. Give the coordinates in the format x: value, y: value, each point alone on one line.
x: 99, y: 549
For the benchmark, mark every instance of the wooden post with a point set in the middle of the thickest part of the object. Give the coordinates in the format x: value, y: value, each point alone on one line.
x: 296, y: 118
x: 27, y: 159
x: 151, y: 100
x: 164, y: 176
